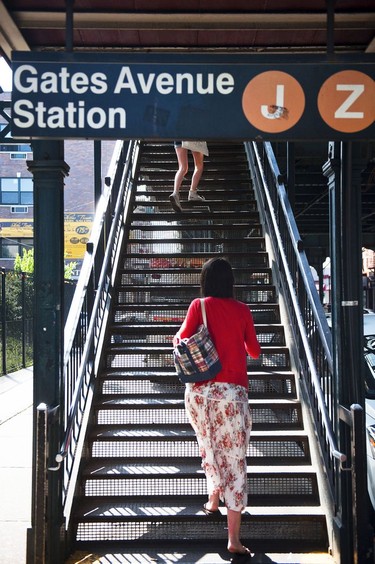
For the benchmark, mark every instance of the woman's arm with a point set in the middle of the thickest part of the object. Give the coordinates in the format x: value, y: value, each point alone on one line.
x: 191, y: 322
x: 252, y: 345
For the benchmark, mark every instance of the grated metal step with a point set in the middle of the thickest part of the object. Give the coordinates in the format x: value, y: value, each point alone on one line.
x: 196, y: 215
x: 185, y: 482
x: 139, y: 313
x: 304, y: 530
x: 160, y: 333
x: 265, y: 447
x: 281, y: 414
x: 264, y: 385
x: 154, y: 357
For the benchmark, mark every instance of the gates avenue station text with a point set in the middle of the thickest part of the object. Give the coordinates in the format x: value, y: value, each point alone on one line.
x: 76, y: 114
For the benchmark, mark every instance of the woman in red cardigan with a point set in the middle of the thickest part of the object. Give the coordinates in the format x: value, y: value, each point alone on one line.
x: 218, y: 409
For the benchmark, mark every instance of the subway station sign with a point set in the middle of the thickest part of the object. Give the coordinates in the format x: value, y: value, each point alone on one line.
x: 196, y: 96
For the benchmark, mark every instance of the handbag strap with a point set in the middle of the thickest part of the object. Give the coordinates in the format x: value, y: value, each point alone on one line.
x: 203, y: 312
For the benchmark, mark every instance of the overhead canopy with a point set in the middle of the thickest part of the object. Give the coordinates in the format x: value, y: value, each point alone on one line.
x: 273, y: 26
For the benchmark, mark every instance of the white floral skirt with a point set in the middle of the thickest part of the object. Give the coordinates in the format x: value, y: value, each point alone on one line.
x: 220, y: 416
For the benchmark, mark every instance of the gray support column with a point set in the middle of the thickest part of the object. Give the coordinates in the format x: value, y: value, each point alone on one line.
x: 49, y: 170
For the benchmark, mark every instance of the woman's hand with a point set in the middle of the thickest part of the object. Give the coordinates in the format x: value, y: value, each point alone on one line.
x: 176, y: 339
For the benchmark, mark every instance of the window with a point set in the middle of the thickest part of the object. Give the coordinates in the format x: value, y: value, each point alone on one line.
x: 13, y: 147
x: 16, y: 191
x: 22, y: 156
x: 10, y: 248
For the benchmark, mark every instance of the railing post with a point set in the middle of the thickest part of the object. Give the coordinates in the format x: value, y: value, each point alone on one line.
x: 362, y: 530
x: 23, y: 312
x: 36, y: 544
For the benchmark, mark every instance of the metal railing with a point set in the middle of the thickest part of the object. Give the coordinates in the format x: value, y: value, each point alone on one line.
x: 312, y: 354
x: 310, y: 330
x: 86, y: 321
x: 16, y: 325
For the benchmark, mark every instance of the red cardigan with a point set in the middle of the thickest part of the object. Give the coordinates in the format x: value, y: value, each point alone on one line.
x: 231, y: 327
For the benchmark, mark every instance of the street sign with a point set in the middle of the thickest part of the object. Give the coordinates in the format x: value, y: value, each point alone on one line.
x: 192, y: 96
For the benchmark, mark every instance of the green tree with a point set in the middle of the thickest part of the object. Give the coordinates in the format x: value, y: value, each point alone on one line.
x: 26, y: 264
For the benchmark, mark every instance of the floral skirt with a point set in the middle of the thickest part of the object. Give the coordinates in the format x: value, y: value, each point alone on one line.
x: 220, y: 416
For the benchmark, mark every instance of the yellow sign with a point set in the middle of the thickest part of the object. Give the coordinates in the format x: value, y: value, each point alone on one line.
x: 77, y: 229
x: 11, y: 229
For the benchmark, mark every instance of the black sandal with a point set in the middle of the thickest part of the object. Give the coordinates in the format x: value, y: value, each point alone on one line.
x: 209, y: 512
x: 240, y: 557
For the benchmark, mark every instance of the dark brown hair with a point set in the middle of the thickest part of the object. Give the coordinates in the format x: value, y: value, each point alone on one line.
x: 217, y: 279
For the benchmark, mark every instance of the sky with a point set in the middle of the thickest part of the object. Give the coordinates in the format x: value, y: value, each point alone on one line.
x: 5, y: 76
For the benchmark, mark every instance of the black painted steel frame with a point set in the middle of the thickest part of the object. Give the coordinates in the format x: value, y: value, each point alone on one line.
x: 346, y: 471
x: 84, y: 330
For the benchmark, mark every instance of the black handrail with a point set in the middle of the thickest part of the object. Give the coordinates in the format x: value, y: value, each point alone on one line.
x: 87, y: 315
x: 311, y: 333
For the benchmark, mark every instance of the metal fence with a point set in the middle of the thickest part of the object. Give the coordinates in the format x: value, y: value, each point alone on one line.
x: 17, y: 318
x: 16, y: 327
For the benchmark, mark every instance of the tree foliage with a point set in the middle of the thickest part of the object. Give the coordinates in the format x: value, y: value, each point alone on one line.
x: 26, y: 264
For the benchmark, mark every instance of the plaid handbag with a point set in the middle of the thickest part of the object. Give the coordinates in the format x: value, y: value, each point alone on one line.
x: 196, y: 358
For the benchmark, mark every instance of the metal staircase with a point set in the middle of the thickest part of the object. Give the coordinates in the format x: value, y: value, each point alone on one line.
x: 141, y: 484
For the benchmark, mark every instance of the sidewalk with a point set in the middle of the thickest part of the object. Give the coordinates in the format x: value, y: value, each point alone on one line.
x: 16, y: 391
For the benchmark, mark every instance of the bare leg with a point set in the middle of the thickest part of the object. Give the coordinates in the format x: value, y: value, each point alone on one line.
x: 198, y: 169
x: 182, y: 157
x: 183, y: 166
x: 213, y: 502
x: 234, y: 525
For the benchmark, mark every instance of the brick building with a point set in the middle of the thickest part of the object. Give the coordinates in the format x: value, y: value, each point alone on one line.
x: 16, y: 196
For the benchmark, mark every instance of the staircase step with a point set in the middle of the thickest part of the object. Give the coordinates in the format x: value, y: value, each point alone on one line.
x: 198, y: 258
x: 110, y: 522
x: 161, y: 190
x: 211, y: 174
x: 210, y: 244
x: 188, y: 482
x: 278, y: 414
x: 261, y: 274
x: 181, y: 223
x: 199, y: 214
x: 133, y: 356
x: 160, y: 163
x: 262, y: 313
x: 214, y: 205
x: 266, y: 385
x: 159, y: 334
x: 285, y: 447
x: 155, y: 293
